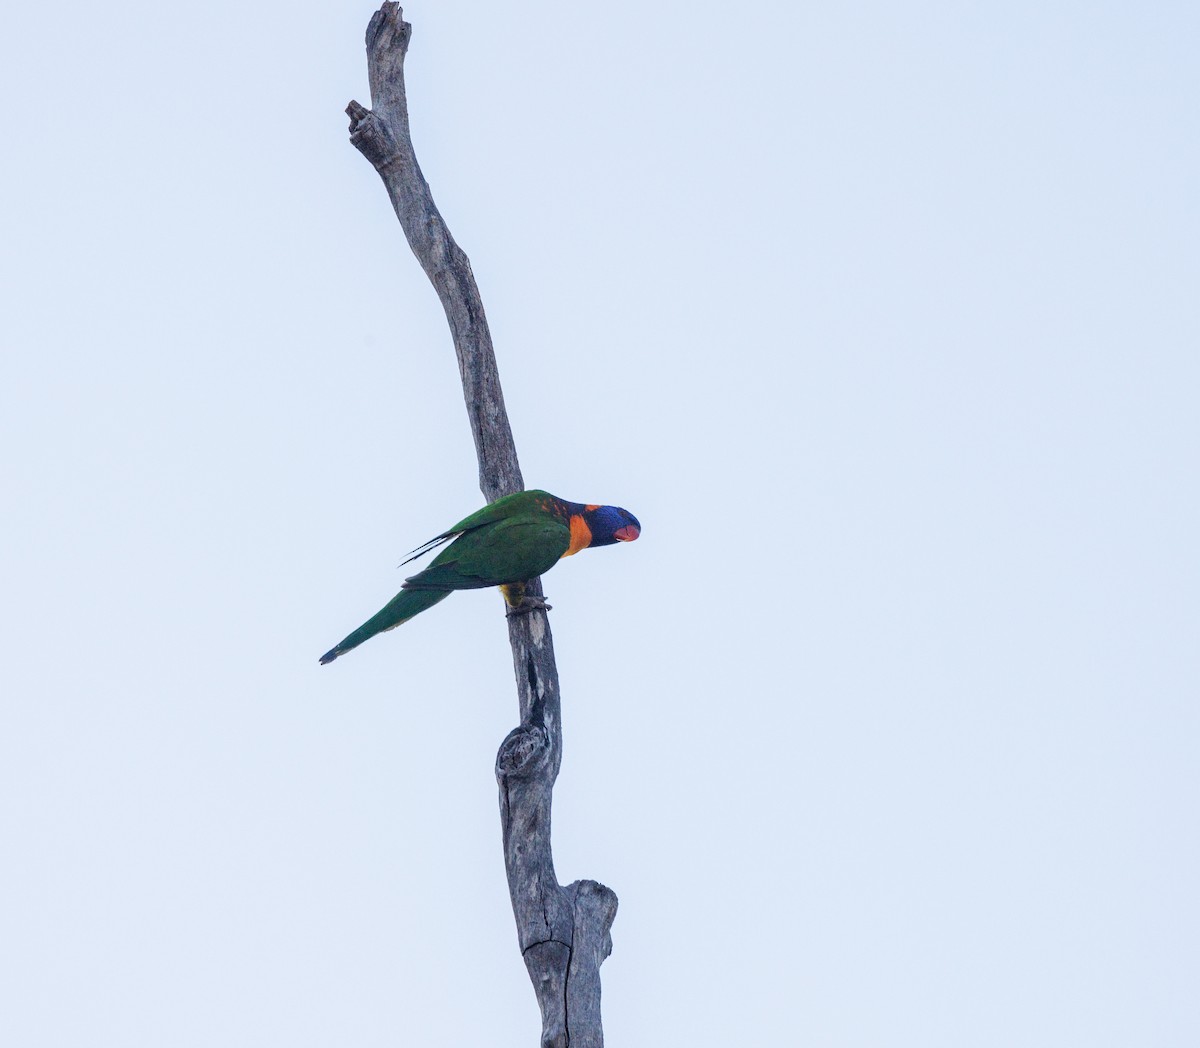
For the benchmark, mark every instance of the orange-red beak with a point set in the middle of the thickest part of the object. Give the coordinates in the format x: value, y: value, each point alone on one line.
x: 627, y: 533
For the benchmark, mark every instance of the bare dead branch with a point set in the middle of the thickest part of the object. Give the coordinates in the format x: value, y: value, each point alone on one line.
x: 563, y: 931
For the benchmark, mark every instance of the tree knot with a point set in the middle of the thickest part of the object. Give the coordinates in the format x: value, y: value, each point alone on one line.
x: 523, y: 752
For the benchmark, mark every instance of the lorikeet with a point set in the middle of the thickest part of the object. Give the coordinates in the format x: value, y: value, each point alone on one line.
x: 505, y: 544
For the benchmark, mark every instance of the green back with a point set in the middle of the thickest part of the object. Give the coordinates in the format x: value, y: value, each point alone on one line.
x: 510, y: 540
x: 519, y: 504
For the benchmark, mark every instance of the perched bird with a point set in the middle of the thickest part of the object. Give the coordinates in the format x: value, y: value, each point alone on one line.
x: 505, y: 544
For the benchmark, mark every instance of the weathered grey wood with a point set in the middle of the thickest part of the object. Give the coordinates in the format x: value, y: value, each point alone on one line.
x: 563, y: 932
x: 382, y: 135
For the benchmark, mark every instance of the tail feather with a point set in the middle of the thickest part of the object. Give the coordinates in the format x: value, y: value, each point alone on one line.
x: 402, y: 607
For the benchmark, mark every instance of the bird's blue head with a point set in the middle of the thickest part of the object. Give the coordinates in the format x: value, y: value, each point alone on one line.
x: 609, y: 524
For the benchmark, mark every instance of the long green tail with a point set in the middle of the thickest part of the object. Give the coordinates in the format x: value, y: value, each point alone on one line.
x: 402, y: 607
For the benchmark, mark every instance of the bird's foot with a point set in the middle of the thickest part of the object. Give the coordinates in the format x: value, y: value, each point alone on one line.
x: 528, y: 603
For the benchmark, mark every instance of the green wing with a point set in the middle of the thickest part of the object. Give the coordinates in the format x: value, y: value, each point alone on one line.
x: 515, y: 538
x: 492, y: 554
x: 519, y: 504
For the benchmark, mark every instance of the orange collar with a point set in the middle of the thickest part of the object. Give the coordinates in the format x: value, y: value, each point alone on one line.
x: 581, y: 535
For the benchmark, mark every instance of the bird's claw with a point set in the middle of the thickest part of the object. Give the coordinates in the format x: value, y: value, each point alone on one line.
x: 528, y: 604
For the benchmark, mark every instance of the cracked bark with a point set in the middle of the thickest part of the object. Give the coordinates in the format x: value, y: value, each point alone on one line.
x: 563, y: 931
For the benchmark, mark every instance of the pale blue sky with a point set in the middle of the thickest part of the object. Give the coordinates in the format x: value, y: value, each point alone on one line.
x: 883, y: 320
